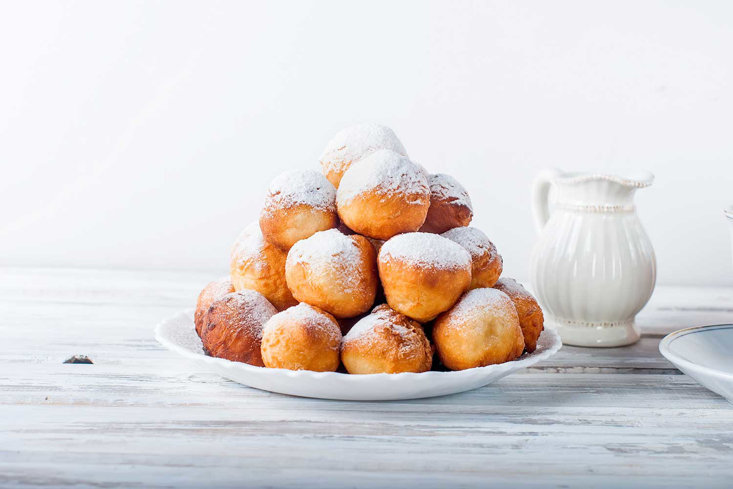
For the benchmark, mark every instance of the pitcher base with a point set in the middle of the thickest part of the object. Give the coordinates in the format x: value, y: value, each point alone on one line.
x: 595, y: 334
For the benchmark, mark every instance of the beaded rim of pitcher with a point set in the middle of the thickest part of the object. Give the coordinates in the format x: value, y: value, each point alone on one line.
x: 639, y: 180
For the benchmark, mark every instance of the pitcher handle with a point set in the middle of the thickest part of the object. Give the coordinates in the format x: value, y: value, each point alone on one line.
x: 540, y: 196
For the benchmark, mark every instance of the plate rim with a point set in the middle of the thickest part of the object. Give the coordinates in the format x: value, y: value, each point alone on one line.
x: 678, y: 361
x: 555, y: 346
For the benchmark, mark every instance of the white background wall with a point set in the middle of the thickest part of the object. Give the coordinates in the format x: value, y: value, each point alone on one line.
x: 144, y: 134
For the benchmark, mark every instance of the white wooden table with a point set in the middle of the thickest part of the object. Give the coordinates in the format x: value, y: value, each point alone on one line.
x: 142, y: 417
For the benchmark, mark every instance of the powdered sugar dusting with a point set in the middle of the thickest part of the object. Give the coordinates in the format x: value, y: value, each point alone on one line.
x: 472, y: 239
x: 386, y: 173
x: 298, y: 187
x: 447, y: 189
x: 357, y: 142
x: 326, y: 251
x: 425, y: 250
x: 210, y: 293
x: 247, y: 309
x: 362, y: 326
x: 512, y: 288
x: 218, y: 288
x: 309, y: 317
x: 476, y: 299
x: 249, y: 246
x: 367, y: 324
x: 395, y: 335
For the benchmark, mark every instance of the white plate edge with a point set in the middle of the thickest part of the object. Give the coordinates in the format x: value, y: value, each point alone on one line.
x: 695, y: 367
x: 516, y: 364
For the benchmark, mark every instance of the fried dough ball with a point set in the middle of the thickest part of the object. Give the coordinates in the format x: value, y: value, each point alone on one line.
x: 234, y: 325
x: 335, y: 272
x: 529, y: 311
x: 384, y: 195
x: 353, y: 144
x: 487, y: 263
x: 302, y: 338
x: 481, y: 329
x: 298, y: 204
x: 258, y: 265
x: 450, y: 205
x: 423, y: 274
x: 386, y: 342
x: 213, y: 291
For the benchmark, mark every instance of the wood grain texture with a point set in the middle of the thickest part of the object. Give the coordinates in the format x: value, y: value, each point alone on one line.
x: 141, y: 416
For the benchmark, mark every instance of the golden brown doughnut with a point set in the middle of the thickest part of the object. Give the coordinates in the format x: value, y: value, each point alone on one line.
x: 386, y: 342
x: 450, y: 205
x: 298, y: 204
x: 423, y: 274
x: 302, y: 338
x: 529, y: 311
x: 487, y: 263
x: 213, y: 291
x: 481, y: 329
x: 334, y: 272
x: 258, y: 265
x: 384, y: 195
x: 234, y: 325
x: 354, y: 143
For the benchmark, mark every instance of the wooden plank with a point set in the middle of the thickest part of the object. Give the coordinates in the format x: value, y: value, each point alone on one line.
x: 574, y: 429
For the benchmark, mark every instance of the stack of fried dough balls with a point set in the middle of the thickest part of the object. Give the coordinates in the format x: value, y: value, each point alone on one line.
x: 370, y: 266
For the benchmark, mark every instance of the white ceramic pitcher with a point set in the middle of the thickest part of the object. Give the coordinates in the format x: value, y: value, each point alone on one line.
x: 593, y: 268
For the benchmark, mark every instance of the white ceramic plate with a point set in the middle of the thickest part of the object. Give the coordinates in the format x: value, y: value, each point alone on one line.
x: 704, y: 353
x: 178, y: 334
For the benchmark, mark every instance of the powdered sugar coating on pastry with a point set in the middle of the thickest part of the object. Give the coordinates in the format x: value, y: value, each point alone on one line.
x: 386, y: 341
x: 249, y: 246
x: 357, y: 142
x: 259, y: 265
x: 302, y: 338
x: 311, y: 318
x: 212, y: 292
x: 334, y: 272
x: 252, y: 309
x: 425, y: 250
x: 327, y: 250
x: 378, y: 317
x: 297, y: 187
x: 387, y: 174
x: 480, y: 299
x: 447, y: 189
x: 472, y: 239
x: 513, y: 289
x: 481, y: 329
x: 233, y: 327
x: 487, y: 262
